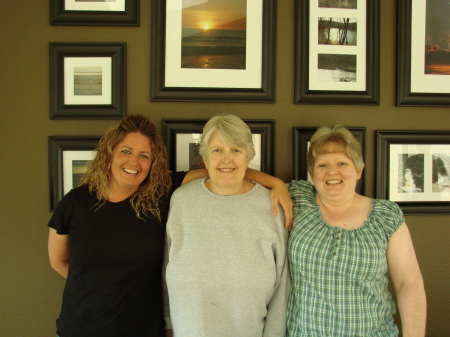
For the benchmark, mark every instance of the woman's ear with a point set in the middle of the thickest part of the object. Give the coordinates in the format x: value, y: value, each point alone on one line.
x: 359, y: 174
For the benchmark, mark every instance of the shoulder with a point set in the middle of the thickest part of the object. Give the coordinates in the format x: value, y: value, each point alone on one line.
x: 187, y: 189
x: 387, y: 214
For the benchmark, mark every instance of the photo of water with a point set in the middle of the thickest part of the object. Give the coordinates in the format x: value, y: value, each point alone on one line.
x: 213, y: 48
x: 87, y: 81
x: 337, y: 31
x: 336, y: 68
x: 214, y: 34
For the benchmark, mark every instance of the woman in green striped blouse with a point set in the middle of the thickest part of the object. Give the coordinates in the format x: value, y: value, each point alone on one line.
x: 342, y: 246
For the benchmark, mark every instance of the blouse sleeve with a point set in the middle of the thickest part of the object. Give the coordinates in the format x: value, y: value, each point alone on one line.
x: 391, y: 216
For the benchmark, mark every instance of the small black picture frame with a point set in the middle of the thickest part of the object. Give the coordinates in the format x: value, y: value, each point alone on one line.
x: 76, y: 95
x: 413, y: 170
x: 265, y: 128
x: 301, y: 138
x: 80, y: 147
x: 307, y: 44
x: 91, y: 15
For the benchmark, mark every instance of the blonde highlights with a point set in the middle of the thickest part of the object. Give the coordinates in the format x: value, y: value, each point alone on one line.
x: 154, y: 187
x: 344, y: 141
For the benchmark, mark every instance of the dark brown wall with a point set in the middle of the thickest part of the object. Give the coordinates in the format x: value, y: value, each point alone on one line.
x: 30, y: 291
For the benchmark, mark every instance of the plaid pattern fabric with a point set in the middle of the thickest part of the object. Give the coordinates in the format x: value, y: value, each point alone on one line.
x: 339, y: 276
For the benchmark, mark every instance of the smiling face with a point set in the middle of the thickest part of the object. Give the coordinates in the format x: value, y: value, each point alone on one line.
x: 131, y: 162
x: 334, y: 173
x: 226, y: 165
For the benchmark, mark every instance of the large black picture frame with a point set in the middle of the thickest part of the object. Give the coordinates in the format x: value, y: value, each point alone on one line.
x: 60, y: 16
x: 159, y: 91
x: 57, y: 145
x: 390, y: 146
x: 301, y: 137
x: 405, y: 95
x: 265, y: 127
x: 116, y: 108
x: 302, y: 92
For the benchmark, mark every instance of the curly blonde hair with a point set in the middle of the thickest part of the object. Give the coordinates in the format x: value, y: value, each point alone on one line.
x: 154, y: 187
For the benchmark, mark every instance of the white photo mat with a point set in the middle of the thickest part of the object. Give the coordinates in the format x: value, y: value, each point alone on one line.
x: 105, y: 5
x: 69, y: 74
x: 360, y: 14
x: 396, y: 150
x: 421, y: 82
x: 251, y: 77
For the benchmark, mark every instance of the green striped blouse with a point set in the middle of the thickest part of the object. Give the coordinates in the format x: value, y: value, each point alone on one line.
x: 339, y: 276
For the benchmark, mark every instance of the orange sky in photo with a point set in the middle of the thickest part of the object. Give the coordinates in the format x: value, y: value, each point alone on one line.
x: 220, y: 14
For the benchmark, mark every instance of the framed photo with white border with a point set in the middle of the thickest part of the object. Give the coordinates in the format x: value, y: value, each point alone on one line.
x: 218, y: 51
x: 423, y: 53
x: 68, y: 157
x: 87, y: 80
x: 413, y: 169
x: 337, y: 52
x: 94, y: 13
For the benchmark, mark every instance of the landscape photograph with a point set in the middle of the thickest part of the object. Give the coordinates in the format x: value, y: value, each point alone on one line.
x: 214, y: 35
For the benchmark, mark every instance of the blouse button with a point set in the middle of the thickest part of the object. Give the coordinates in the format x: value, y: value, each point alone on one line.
x: 338, y: 232
x: 337, y: 238
x: 336, y: 245
x: 334, y: 253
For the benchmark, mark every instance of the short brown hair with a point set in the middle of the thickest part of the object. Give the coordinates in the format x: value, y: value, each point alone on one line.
x: 340, y: 136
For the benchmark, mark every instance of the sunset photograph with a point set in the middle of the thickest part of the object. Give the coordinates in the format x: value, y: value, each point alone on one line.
x: 214, y: 34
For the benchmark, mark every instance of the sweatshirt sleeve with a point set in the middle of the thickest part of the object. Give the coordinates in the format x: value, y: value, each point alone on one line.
x: 275, y: 324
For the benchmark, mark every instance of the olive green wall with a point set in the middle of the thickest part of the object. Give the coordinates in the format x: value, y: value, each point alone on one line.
x: 30, y: 291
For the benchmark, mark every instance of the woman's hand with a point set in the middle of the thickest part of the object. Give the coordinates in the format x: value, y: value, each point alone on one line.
x: 280, y: 196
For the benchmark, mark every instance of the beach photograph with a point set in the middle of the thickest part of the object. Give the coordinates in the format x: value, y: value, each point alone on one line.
x: 437, y: 37
x: 87, y: 81
x: 336, y: 68
x: 214, y: 34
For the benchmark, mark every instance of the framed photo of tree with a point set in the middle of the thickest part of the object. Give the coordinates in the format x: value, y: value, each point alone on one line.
x: 337, y: 52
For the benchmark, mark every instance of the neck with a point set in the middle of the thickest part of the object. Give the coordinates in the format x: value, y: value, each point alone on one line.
x: 117, y: 195
x: 245, y: 186
x: 336, y: 209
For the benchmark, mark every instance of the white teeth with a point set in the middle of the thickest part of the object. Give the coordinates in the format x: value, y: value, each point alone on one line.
x: 226, y: 170
x: 130, y: 171
x: 332, y: 182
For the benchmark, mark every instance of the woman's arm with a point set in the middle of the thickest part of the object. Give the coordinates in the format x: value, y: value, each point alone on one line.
x: 58, y: 252
x: 280, y: 194
x: 408, y: 283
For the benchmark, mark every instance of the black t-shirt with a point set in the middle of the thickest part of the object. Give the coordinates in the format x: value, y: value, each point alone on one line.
x: 113, y: 287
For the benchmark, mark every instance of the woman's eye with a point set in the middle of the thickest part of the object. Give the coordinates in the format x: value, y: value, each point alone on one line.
x: 126, y: 151
x: 237, y: 151
x: 144, y: 156
x: 216, y: 150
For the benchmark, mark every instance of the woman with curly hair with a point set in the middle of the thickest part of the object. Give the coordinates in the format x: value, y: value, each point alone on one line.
x: 107, y: 236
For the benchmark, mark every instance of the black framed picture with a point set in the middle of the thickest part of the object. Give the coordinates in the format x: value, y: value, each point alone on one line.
x: 337, y: 47
x: 216, y: 51
x: 68, y: 157
x: 423, y: 53
x: 94, y: 12
x: 182, y: 140
x: 87, y: 80
x: 413, y: 169
x: 301, y: 138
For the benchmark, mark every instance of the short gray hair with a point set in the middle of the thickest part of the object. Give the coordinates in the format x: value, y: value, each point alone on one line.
x: 340, y: 136
x: 232, y: 130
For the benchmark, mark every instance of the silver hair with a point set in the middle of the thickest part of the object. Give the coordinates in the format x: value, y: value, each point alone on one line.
x: 232, y: 130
